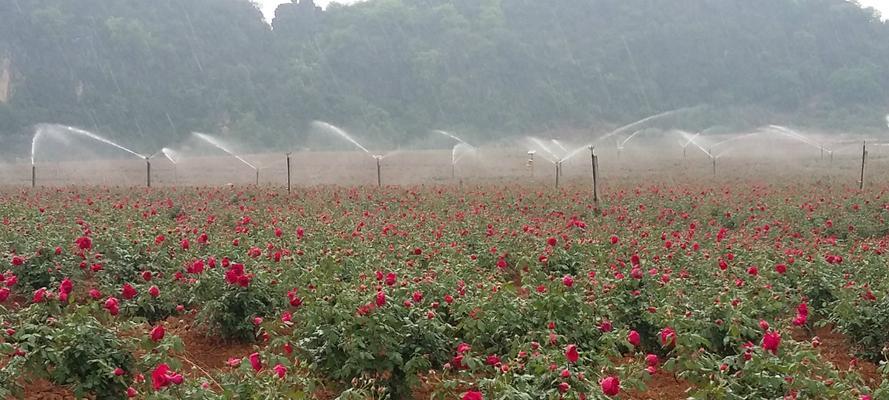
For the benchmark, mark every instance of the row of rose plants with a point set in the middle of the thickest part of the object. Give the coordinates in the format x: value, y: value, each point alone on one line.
x: 495, y: 292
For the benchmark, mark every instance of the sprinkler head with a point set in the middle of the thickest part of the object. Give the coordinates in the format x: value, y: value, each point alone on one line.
x: 531, y: 153
x: 378, y: 157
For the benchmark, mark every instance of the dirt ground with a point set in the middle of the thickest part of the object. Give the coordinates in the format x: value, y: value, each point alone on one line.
x: 495, y: 165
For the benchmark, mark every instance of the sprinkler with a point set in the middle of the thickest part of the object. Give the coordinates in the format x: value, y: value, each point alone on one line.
x: 530, y: 163
x: 33, y: 175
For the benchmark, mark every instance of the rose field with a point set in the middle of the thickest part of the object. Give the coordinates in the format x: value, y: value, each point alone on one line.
x: 710, y: 290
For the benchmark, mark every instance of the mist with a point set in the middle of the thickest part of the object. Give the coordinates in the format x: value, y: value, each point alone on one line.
x: 400, y: 93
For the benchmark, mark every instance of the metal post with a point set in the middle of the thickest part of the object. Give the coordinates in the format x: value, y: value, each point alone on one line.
x: 557, y: 175
x: 531, y: 162
x: 33, y: 176
x: 379, y: 178
x: 257, y: 176
x: 148, y: 172
x: 863, y: 160
x: 595, y: 163
x: 288, y: 173
x: 714, y: 165
x: 453, y: 170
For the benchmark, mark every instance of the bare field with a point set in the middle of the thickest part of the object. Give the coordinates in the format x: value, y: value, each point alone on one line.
x: 434, y: 167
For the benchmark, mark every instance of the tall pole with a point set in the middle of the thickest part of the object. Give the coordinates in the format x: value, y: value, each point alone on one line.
x: 557, y: 175
x: 714, y: 165
x: 595, y: 163
x: 147, y: 172
x: 257, y: 176
x: 33, y: 175
x: 531, y: 163
x: 379, y: 178
x: 863, y: 160
x: 288, y: 173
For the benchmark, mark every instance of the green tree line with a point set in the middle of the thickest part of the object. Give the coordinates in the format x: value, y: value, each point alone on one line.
x: 151, y: 71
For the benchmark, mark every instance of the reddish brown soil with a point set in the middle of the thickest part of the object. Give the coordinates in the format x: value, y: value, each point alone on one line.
x: 662, y: 386
x: 44, y: 390
x: 835, y: 349
x: 201, y: 351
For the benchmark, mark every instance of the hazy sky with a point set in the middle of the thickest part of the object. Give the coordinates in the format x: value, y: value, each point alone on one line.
x: 882, y: 5
x: 268, y: 6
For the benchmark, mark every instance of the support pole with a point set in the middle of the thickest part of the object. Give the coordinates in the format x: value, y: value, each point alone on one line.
x: 863, y: 161
x: 453, y: 171
x: 257, y: 176
x: 288, y: 173
x: 557, y: 175
x: 379, y: 178
x: 714, y: 165
x: 33, y: 176
x: 595, y: 163
x: 147, y: 172
x: 531, y: 163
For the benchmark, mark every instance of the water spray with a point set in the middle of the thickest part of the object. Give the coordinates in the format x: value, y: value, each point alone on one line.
x: 42, y: 128
x: 219, y: 145
x: 459, y: 151
x: 646, y: 120
x: 530, y: 163
x: 450, y: 135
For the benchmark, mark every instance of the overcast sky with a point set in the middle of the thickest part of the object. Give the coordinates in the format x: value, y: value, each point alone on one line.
x: 268, y: 6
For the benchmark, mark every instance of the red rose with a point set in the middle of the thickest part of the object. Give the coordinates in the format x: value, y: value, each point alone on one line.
x: 610, y: 386
x: 157, y: 334
x: 770, y: 341
x: 255, y: 362
x: 473, y: 395
x: 128, y: 292
x: 571, y: 353
x: 634, y: 339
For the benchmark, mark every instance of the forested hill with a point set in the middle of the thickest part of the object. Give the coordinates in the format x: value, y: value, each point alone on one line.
x: 153, y: 70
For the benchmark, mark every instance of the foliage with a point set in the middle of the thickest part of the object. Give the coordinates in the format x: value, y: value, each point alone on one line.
x: 74, y: 349
x: 147, y: 73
